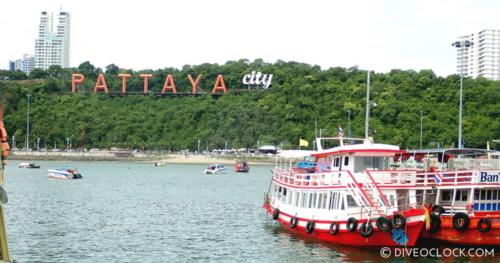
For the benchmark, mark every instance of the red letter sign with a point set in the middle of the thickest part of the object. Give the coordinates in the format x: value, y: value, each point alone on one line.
x: 101, y: 84
x: 169, y: 84
x: 76, y: 79
x: 146, y: 77
x: 219, y: 85
x: 124, y: 78
x: 194, y: 84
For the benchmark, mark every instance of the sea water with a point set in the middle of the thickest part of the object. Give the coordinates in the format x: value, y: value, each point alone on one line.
x: 136, y: 212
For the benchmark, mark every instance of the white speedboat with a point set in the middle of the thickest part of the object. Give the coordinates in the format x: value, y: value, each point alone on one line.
x: 215, y: 169
x: 28, y: 165
x: 63, y: 174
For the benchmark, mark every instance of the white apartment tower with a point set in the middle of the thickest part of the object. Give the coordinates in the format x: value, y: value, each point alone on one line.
x: 482, y: 58
x: 52, y: 47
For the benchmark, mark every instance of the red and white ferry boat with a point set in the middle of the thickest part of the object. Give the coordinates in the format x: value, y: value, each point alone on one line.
x: 461, y: 188
x: 337, y: 197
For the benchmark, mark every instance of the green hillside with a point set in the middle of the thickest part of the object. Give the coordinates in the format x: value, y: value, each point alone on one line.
x: 280, y: 115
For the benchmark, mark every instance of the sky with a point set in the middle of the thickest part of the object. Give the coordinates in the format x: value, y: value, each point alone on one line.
x: 379, y: 35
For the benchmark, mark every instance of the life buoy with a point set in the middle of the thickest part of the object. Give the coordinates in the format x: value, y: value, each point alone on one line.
x: 334, y: 228
x: 310, y: 226
x: 384, y: 224
x: 484, y: 225
x: 276, y: 214
x: 435, y: 223
x: 366, y: 229
x: 351, y: 224
x: 460, y: 221
x: 398, y: 221
x: 293, y: 222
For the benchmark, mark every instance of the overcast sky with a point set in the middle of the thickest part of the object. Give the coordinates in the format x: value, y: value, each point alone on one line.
x: 148, y: 34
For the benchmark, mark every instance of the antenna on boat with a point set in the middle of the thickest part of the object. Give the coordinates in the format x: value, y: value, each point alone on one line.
x: 367, y: 116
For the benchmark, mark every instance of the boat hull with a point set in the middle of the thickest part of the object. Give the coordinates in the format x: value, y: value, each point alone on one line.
x: 470, y: 236
x: 343, y: 237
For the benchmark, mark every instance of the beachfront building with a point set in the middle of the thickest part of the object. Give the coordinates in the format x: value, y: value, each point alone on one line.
x: 52, y: 46
x: 25, y: 64
x: 482, y: 58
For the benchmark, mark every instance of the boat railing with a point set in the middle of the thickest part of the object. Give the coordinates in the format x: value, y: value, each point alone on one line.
x: 391, y: 209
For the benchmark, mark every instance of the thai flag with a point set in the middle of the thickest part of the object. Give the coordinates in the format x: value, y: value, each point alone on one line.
x: 437, y: 178
x: 341, y: 132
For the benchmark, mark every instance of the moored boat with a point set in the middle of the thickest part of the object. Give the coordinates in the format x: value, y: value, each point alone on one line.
x: 215, y: 169
x: 461, y: 188
x: 241, y: 167
x: 335, y: 198
x: 63, y: 174
x: 28, y: 165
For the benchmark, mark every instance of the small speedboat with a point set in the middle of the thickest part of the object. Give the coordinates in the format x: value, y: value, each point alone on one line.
x: 241, y: 167
x: 159, y: 164
x: 28, y: 165
x: 215, y: 169
x: 63, y: 174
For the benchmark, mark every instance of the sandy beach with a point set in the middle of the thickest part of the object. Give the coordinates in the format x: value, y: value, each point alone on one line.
x: 135, y: 157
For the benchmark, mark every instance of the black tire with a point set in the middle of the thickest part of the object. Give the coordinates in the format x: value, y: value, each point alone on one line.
x: 293, y: 222
x: 384, y: 224
x: 351, y: 224
x: 310, y: 227
x: 484, y: 225
x: 437, y: 209
x: 366, y: 229
x: 334, y: 228
x: 276, y: 214
x: 435, y: 223
x: 398, y: 221
x: 460, y: 221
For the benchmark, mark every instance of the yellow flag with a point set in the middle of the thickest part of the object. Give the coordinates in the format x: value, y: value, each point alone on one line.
x: 303, y: 143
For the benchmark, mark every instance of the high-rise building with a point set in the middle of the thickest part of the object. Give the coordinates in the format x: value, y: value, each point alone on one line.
x: 25, y: 64
x: 482, y: 58
x: 52, y: 47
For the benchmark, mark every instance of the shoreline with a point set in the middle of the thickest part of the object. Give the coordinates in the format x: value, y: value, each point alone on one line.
x: 148, y: 158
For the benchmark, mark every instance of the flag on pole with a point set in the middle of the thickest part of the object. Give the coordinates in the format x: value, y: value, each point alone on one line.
x: 303, y: 143
x: 341, y: 132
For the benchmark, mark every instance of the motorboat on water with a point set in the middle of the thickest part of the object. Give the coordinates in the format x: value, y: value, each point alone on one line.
x: 241, y: 167
x: 337, y: 199
x: 160, y: 164
x: 28, y: 165
x: 63, y: 174
x: 215, y: 169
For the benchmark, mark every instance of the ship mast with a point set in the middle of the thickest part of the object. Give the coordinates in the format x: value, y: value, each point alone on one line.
x: 367, y: 116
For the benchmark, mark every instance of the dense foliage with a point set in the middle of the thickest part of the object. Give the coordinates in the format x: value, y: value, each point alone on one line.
x: 299, y: 95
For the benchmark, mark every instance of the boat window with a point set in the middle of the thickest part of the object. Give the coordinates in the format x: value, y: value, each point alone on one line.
x: 457, y: 195
x: 392, y: 200
x: 476, y: 194
x: 346, y: 161
x: 325, y: 195
x: 465, y: 194
x: 297, y: 195
x: 304, y: 200
x: 290, y: 197
x: 488, y: 194
x: 483, y: 194
x: 333, y: 200
x: 370, y: 163
x: 310, y: 200
x: 351, y: 202
x: 341, y: 200
x: 446, y: 195
x: 337, y: 162
x: 494, y: 195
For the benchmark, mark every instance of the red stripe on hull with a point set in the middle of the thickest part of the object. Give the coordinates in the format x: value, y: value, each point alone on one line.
x: 470, y: 236
x: 343, y: 237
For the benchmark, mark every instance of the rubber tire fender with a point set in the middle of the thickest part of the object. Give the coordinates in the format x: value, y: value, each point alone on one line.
x: 293, y: 222
x: 384, y: 224
x: 487, y: 225
x: 334, y: 228
x: 276, y: 214
x: 310, y: 226
x: 366, y: 229
x: 460, y: 221
x: 398, y: 221
x: 351, y: 224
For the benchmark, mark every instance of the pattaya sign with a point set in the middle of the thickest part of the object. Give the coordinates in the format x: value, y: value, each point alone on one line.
x: 258, y: 79
x: 169, y: 84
